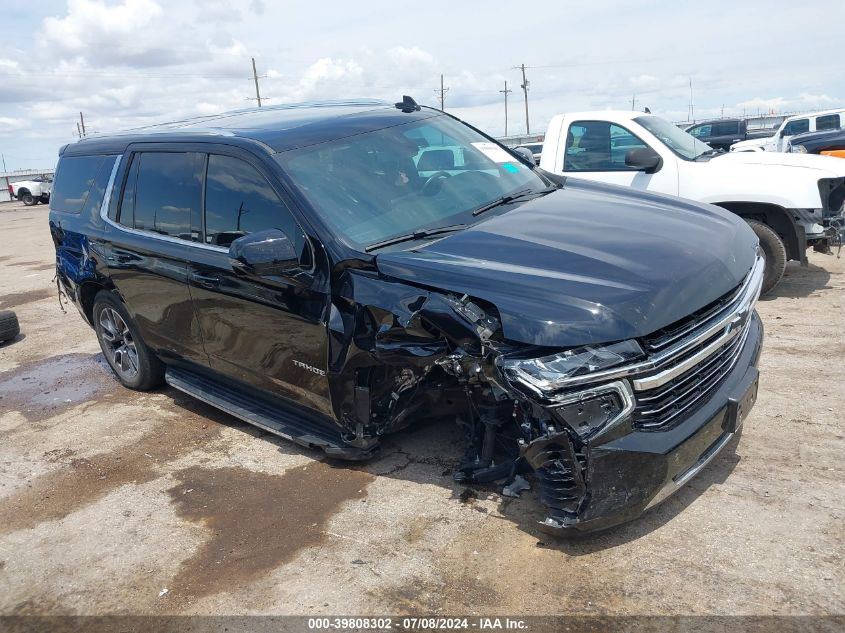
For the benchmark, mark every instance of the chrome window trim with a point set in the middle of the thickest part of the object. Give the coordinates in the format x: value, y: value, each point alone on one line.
x: 737, y: 312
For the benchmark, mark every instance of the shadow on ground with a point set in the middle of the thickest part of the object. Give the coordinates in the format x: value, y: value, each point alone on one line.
x: 799, y: 281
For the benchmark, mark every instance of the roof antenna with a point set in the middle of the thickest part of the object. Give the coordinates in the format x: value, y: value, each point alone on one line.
x: 407, y: 104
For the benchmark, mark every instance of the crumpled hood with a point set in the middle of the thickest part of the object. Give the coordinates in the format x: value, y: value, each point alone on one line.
x: 833, y: 167
x: 589, y: 263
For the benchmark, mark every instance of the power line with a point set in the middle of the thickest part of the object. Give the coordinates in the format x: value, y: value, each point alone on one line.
x: 505, y: 92
x: 442, y: 92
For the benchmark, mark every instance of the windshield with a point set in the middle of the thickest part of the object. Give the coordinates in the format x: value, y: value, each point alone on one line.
x: 405, y: 179
x: 683, y: 144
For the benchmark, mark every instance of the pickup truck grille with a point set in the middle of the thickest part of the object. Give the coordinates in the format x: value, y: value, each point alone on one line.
x: 693, y: 356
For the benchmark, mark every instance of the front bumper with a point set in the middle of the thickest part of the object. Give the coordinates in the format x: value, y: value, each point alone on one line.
x: 637, y: 469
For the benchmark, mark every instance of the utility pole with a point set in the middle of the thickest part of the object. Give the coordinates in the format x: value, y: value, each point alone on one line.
x: 524, y: 86
x: 78, y: 130
x: 82, y: 120
x: 255, y: 77
x: 691, y: 111
x: 633, y: 102
x: 505, y: 92
x: 442, y: 92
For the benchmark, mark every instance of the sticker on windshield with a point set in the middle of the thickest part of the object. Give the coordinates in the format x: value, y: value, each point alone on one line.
x: 493, y: 152
x: 511, y: 168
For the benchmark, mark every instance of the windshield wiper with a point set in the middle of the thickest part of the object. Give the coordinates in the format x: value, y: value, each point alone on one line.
x: 416, y: 235
x: 710, y: 152
x: 512, y: 197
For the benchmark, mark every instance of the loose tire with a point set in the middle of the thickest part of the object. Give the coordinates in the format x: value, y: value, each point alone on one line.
x: 9, y: 326
x: 27, y: 198
x: 132, y: 361
x: 774, y: 251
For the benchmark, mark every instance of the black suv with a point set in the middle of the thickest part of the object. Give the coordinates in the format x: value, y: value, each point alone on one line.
x: 301, y: 268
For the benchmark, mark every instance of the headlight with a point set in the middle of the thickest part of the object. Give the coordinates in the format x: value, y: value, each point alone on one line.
x: 798, y: 149
x: 591, y: 410
x: 551, y: 373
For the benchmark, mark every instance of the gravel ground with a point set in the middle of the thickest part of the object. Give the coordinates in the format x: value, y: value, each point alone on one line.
x: 110, y: 497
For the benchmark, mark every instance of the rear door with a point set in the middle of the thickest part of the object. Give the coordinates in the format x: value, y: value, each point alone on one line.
x: 268, y: 333
x: 595, y: 150
x: 154, y: 217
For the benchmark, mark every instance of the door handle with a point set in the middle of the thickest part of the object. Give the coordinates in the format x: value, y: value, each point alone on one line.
x: 207, y: 281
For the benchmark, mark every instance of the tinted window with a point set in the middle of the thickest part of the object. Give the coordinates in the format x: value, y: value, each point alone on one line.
x: 168, y: 193
x: 127, y: 201
x: 725, y: 128
x: 827, y: 122
x: 796, y: 127
x: 239, y: 200
x: 598, y: 146
x: 74, y: 178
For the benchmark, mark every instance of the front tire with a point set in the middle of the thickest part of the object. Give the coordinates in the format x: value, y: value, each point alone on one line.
x: 131, y: 360
x: 775, y: 253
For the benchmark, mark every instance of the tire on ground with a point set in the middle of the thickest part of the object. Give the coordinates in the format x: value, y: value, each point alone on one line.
x: 9, y: 326
x: 27, y: 198
x: 774, y: 251
x: 150, y: 372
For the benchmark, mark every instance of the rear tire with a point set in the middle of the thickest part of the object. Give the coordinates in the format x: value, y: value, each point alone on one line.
x: 27, y: 198
x: 9, y: 326
x: 131, y: 360
x: 775, y: 253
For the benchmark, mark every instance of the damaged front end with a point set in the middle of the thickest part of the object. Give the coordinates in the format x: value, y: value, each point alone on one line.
x: 606, y: 431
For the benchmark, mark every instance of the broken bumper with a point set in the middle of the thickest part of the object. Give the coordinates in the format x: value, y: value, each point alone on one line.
x: 637, y: 469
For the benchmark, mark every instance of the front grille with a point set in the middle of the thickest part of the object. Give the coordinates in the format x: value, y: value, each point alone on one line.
x: 662, y: 407
x: 692, y: 357
x: 664, y: 337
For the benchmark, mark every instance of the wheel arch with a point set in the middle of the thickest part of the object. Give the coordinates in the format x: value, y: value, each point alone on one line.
x: 778, y: 219
x: 86, y: 294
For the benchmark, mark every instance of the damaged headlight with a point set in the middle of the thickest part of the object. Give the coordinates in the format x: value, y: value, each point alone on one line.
x: 549, y: 374
x: 588, y: 411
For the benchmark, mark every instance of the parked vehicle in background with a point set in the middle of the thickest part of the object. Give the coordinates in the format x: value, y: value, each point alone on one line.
x: 33, y: 191
x: 536, y: 149
x: 293, y: 266
x: 791, y: 201
x: 800, y: 124
x: 829, y: 143
x: 722, y: 133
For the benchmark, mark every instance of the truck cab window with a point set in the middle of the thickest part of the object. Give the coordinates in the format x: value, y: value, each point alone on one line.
x: 827, y: 122
x: 598, y: 146
x: 796, y: 127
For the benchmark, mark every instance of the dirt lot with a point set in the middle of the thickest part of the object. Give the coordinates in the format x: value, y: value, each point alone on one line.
x: 108, y: 497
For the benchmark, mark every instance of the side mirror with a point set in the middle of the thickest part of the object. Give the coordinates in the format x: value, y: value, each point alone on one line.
x: 644, y: 159
x: 526, y: 153
x: 266, y: 253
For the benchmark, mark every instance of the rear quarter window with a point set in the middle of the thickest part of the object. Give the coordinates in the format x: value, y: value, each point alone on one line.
x: 75, y: 176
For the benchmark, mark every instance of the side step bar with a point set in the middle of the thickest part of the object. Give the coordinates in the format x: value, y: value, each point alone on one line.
x: 266, y: 415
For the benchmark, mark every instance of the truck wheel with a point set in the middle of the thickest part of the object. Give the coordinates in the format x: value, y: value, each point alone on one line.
x: 27, y: 198
x: 132, y: 361
x: 774, y: 251
x: 9, y: 326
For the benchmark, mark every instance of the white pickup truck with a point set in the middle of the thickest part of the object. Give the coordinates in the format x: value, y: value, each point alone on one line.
x: 792, y: 201
x: 778, y: 142
x: 33, y: 191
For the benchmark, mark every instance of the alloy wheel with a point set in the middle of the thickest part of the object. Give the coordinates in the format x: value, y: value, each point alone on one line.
x: 118, y: 344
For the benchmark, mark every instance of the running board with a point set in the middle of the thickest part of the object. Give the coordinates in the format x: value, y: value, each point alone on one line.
x: 265, y: 415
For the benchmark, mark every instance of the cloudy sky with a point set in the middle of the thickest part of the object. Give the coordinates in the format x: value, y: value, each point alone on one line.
x: 125, y: 63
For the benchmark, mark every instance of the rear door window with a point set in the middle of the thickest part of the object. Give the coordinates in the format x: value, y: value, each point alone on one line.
x: 828, y: 122
x: 168, y: 193
x: 74, y: 178
x: 726, y: 128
